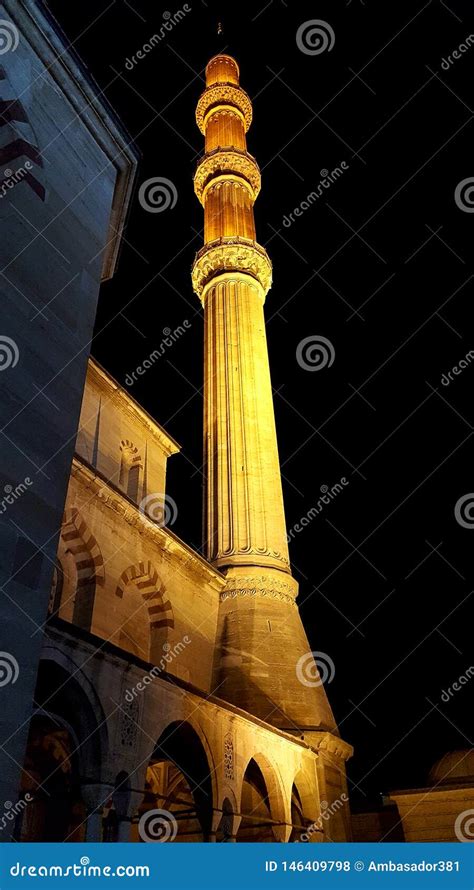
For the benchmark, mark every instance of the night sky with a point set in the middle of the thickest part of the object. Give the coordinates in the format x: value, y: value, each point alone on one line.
x: 380, y: 265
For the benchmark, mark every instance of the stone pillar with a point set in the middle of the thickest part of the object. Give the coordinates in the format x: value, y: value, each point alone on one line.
x: 95, y: 795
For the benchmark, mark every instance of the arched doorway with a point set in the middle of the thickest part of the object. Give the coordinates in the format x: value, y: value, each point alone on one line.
x: 177, y: 804
x: 51, y: 785
x: 66, y: 744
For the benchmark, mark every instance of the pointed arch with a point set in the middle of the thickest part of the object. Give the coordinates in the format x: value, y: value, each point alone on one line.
x: 80, y: 570
x: 81, y: 543
x: 130, y: 468
x: 152, y: 589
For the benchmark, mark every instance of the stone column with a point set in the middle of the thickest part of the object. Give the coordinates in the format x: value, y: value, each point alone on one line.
x: 95, y: 795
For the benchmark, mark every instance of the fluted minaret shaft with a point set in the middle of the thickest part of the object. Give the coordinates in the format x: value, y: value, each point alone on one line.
x: 260, y: 638
x: 244, y: 515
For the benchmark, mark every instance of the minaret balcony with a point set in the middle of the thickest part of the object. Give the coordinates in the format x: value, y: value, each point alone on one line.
x: 223, y: 162
x: 236, y: 254
x: 221, y: 95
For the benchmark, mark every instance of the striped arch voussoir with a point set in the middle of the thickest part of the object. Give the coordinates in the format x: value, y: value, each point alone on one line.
x: 84, y: 547
x: 145, y: 577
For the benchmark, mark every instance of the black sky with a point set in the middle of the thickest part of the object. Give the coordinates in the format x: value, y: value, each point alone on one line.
x: 381, y: 265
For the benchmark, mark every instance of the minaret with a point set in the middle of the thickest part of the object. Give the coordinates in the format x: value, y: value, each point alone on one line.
x: 261, y: 636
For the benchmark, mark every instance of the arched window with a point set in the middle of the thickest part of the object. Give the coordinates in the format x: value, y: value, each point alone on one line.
x: 130, y: 467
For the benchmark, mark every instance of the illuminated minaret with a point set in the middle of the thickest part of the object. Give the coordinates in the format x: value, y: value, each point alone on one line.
x: 262, y: 640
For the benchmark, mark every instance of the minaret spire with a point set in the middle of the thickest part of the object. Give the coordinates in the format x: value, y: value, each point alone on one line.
x: 261, y: 635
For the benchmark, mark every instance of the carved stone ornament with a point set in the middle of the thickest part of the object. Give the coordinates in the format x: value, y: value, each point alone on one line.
x: 231, y: 255
x: 223, y: 94
x: 220, y: 162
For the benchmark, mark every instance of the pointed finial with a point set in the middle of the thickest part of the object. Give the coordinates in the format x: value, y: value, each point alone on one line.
x: 220, y: 29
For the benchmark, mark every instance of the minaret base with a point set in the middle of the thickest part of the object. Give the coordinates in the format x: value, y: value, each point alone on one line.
x: 261, y: 643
